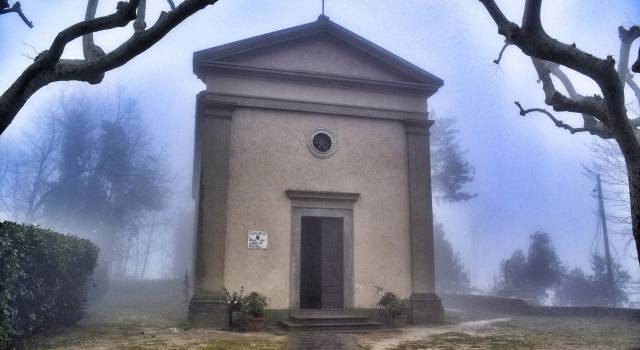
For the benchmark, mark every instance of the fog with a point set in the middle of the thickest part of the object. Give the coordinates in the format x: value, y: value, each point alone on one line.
x: 529, y: 175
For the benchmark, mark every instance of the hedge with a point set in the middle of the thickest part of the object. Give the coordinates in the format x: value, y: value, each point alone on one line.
x: 44, y: 277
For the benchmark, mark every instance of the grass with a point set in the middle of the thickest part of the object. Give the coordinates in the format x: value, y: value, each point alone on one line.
x: 221, y: 344
x: 148, y: 315
x: 459, y: 340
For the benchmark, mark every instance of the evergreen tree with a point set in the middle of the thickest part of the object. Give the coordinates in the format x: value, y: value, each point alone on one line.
x: 451, y: 275
x: 450, y: 171
x: 531, y: 277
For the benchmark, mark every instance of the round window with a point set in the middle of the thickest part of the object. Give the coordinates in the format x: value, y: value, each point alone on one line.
x: 321, y: 143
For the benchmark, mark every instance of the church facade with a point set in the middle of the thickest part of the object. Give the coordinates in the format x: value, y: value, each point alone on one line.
x: 312, y: 175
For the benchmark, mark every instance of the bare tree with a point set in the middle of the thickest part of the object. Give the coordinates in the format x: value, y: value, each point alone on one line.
x: 49, y: 67
x: 608, y: 162
x: 603, y: 115
x: 29, y: 169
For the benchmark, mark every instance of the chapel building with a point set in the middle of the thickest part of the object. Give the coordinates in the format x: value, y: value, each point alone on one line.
x: 312, y: 175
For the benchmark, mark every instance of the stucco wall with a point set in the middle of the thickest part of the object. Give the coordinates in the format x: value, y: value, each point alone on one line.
x: 322, y: 53
x: 302, y: 91
x: 268, y: 155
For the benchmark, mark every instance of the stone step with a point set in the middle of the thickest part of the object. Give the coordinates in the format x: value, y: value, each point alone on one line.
x: 359, y: 326
x: 327, y: 318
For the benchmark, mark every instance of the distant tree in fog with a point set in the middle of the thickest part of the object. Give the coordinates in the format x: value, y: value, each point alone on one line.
x: 27, y: 166
x: 91, y: 169
x: 540, y: 274
x: 601, y: 285
x: 450, y: 171
x: 513, y: 276
x: 576, y: 289
x: 533, y: 276
x: 580, y: 289
x: 451, y: 275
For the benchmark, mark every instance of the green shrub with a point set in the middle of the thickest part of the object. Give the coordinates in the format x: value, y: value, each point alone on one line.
x: 253, y: 304
x: 234, y: 299
x: 44, y: 277
x: 392, y: 304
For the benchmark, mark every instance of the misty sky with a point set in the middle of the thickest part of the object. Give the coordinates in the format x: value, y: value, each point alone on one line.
x: 529, y: 173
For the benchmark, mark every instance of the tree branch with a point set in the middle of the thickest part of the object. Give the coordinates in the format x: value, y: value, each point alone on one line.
x: 535, y: 42
x: 139, y: 25
x: 89, y: 49
x: 504, y: 47
x: 589, y: 107
x: 48, y: 67
x: 556, y: 121
x: 531, y: 21
x: 627, y: 37
x: 17, y: 8
x: 636, y: 66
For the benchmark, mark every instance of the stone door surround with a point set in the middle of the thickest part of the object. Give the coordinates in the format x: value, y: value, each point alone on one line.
x: 321, y: 204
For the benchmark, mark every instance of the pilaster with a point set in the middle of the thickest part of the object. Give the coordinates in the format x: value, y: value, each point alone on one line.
x: 207, y: 307
x: 425, y: 306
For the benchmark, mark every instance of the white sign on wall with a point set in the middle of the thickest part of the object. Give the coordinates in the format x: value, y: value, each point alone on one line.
x: 257, y: 239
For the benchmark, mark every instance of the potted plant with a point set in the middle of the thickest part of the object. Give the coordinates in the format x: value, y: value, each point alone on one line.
x: 253, y: 306
x: 234, y: 303
x: 394, y: 308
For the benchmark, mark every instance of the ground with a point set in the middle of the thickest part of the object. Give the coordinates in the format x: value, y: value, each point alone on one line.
x: 151, y: 315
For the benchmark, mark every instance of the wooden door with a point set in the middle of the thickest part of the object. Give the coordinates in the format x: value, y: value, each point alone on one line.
x: 332, y: 263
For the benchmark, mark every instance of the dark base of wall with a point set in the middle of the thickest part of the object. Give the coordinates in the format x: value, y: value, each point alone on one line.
x: 425, y: 308
x: 206, y: 311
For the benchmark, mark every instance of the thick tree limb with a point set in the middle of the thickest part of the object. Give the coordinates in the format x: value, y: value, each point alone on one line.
x: 589, y: 107
x: 48, y: 67
x: 627, y: 37
x: 534, y: 41
x: 531, y: 21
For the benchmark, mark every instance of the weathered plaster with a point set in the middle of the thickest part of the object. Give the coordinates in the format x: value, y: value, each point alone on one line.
x: 269, y: 155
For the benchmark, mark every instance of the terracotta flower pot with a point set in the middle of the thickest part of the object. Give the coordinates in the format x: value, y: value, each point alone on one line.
x: 398, y: 321
x: 256, y: 324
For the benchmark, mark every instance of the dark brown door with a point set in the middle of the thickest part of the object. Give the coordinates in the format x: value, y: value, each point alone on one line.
x: 321, y: 267
x: 332, y: 273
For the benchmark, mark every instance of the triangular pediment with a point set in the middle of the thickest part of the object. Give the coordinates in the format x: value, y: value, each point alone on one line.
x: 325, y: 54
x: 320, y: 47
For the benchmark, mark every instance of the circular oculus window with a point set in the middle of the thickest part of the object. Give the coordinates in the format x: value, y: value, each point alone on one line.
x: 321, y: 143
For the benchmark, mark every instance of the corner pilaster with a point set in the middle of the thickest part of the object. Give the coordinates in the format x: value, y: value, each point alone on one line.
x: 207, y: 307
x: 425, y: 306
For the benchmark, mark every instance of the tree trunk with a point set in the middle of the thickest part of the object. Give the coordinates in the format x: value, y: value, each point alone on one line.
x: 633, y: 171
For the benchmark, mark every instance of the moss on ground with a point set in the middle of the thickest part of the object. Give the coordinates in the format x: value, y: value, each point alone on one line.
x: 459, y: 340
x: 221, y: 344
